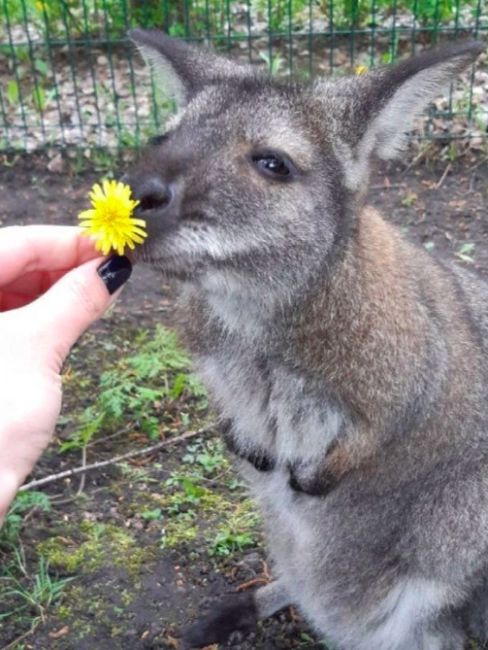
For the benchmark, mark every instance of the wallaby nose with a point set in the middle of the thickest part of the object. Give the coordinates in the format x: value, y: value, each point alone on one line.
x: 151, y: 192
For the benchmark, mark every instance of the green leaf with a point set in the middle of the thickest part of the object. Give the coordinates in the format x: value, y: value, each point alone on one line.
x: 91, y: 424
x: 13, y: 91
x: 179, y: 385
x: 41, y: 66
x: 151, y: 515
x: 39, y: 98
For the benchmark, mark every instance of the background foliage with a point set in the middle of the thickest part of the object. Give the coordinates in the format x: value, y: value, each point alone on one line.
x: 68, y: 76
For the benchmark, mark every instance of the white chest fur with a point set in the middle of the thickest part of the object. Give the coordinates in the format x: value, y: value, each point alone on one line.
x: 271, y: 407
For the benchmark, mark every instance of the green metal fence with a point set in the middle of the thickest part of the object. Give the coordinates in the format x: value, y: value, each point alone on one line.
x: 68, y: 76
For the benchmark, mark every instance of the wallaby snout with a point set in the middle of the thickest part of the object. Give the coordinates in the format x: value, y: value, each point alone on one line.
x: 153, y: 194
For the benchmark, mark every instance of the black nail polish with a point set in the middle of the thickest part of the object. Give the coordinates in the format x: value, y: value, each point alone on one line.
x: 115, y: 271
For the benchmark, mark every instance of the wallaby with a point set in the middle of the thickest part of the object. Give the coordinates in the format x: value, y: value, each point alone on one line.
x: 349, y: 367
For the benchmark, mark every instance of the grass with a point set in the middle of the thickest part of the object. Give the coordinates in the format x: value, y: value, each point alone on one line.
x: 34, y: 594
x: 120, y: 391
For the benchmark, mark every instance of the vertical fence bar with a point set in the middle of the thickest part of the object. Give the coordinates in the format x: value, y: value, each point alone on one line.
x: 310, y: 38
x: 5, y: 139
x: 129, y: 49
x: 393, y: 34
x: 72, y: 67
x: 249, y: 30
x: 270, y: 35
x: 372, y: 48
x: 186, y: 18
x: 352, y: 30
x: 110, y: 57
x: 471, y: 81
x: 413, y: 40
x: 16, y: 72
x: 38, y: 95
x: 290, y: 36
x: 332, y: 35
x: 156, y: 117
x: 228, y: 26
x: 456, y: 29
x: 89, y: 50
x: 207, y: 22
x: 52, y: 65
x: 435, y: 28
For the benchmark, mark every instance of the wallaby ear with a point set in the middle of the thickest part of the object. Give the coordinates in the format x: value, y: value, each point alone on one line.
x: 183, y: 69
x: 383, y: 103
x: 403, y: 90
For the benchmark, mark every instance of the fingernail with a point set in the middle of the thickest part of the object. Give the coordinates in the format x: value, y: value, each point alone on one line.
x: 115, y: 271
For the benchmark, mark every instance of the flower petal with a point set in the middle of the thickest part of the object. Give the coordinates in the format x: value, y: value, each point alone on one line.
x: 110, y: 221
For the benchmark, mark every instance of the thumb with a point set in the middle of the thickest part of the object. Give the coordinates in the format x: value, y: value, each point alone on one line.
x: 78, y: 299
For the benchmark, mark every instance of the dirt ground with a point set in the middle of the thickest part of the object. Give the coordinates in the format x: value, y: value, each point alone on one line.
x: 130, y: 590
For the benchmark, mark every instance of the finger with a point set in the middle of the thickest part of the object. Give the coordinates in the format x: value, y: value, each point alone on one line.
x: 24, y: 249
x: 28, y: 287
x: 13, y: 300
x: 78, y: 299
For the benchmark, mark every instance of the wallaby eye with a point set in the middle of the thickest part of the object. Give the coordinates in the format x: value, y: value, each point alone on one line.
x: 274, y: 165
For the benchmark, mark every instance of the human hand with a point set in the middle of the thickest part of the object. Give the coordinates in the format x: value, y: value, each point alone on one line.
x: 53, y: 285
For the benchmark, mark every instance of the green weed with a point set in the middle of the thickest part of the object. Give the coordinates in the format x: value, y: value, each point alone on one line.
x: 237, y: 532
x: 209, y: 455
x: 466, y: 252
x: 138, y: 389
x: 30, y: 595
x: 275, y: 64
x: 409, y: 199
x: 24, y: 503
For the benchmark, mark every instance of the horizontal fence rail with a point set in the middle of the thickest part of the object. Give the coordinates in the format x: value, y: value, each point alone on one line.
x: 69, y: 77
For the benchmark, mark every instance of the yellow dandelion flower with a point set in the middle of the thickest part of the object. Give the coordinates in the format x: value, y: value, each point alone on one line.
x: 110, y: 221
x: 361, y: 69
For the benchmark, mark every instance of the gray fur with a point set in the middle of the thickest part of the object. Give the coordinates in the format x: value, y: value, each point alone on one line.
x: 350, y: 367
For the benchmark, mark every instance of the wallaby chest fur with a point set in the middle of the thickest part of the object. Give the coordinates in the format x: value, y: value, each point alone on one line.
x: 349, y: 368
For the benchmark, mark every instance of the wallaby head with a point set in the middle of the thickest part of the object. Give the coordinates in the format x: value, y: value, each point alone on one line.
x: 258, y: 179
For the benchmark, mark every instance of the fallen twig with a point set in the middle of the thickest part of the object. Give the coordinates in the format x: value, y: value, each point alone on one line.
x: 116, y: 459
x: 478, y: 164
x: 81, y: 486
x: 441, y: 180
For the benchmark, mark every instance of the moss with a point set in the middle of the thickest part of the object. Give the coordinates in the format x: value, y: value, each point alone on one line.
x: 117, y: 630
x: 103, y: 544
x: 229, y: 524
x: 64, y: 611
x: 177, y: 532
x: 74, y: 609
x: 69, y: 558
x: 88, y: 613
x: 126, y: 597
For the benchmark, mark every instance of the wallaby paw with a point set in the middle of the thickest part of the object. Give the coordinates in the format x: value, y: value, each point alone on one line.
x: 236, y: 613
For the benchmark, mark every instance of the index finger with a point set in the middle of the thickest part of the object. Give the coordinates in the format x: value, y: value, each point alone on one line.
x: 42, y: 248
